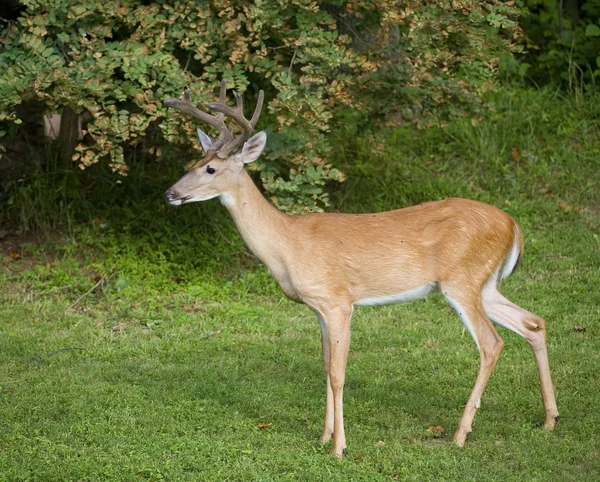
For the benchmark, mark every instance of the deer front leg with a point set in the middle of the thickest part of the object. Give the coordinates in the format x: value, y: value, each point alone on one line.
x: 337, y: 327
x: 328, y: 425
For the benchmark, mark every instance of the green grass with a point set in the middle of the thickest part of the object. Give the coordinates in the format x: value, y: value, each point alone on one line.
x: 165, y: 370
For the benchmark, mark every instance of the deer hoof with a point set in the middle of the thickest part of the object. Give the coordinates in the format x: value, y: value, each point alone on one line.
x: 340, y: 453
x: 551, y: 422
x: 461, y: 436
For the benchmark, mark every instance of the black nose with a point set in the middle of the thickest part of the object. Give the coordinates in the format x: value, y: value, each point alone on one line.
x: 170, y: 195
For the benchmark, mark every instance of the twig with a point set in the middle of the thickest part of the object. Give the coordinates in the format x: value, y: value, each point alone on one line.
x: 292, y: 63
x: 40, y: 359
x: 281, y: 47
x: 210, y: 335
x: 100, y: 281
x: 60, y: 288
x: 111, y: 277
x: 347, y: 25
x: 220, y: 233
x: 67, y: 348
x: 188, y: 62
x: 63, y: 50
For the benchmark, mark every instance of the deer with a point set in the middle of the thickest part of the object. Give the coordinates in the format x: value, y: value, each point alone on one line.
x: 334, y: 262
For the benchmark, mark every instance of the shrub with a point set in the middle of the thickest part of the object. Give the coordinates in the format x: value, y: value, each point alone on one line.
x: 563, y: 40
x: 321, y: 64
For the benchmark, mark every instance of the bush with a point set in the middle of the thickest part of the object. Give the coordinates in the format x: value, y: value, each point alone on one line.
x: 321, y: 64
x: 563, y: 40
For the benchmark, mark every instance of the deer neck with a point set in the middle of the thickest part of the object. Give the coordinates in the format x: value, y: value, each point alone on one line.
x: 263, y: 227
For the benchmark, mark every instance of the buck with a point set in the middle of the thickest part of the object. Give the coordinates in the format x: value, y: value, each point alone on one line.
x: 334, y: 262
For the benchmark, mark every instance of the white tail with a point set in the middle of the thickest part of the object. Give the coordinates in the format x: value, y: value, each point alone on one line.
x: 333, y: 262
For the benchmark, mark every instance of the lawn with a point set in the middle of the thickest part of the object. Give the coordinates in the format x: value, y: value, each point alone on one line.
x: 145, y: 343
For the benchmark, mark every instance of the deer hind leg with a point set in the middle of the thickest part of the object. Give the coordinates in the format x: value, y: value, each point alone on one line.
x: 533, y: 329
x: 335, y: 323
x: 470, y: 309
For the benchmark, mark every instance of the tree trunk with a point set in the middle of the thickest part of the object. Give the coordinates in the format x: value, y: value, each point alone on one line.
x: 571, y: 11
x: 69, y: 135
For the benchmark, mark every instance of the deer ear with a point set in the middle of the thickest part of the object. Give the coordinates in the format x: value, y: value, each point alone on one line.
x: 254, y: 147
x: 205, y: 140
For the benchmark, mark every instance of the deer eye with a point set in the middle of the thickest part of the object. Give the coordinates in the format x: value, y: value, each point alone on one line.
x: 210, y: 170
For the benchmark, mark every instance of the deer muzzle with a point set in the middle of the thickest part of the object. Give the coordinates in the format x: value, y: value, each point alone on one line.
x: 173, y: 197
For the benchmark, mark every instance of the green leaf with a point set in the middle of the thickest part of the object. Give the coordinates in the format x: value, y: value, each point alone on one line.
x: 592, y: 30
x: 78, y: 9
x: 47, y: 52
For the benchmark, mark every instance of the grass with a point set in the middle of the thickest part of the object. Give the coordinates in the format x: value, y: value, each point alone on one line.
x: 145, y: 344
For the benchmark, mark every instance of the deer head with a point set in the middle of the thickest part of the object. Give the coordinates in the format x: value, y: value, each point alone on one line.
x: 223, y: 161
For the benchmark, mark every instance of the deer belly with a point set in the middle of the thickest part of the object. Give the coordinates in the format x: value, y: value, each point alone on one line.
x: 403, y: 297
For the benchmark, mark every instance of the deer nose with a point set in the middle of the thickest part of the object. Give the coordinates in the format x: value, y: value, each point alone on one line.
x: 170, y: 195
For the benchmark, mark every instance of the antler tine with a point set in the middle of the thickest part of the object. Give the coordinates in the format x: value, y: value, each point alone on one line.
x: 238, y: 116
x: 188, y: 108
x: 258, y: 109
x: 223, y: 93
x: 234, y: 114
x: 240, y: 102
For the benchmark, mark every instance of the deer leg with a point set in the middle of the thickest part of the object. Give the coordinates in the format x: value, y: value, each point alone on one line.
x: 533, y: 329
x: 337, y: 323
x: 490, y: 346
x: 328, y: 424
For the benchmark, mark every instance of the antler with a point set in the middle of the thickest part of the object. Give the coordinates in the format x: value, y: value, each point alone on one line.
x: 226, y: 142
x: 238, y: 116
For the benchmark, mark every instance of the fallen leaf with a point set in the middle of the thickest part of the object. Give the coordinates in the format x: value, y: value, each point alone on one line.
x: 262, y: 426
x: 14, y: 255
x: 580, y: 328
x: 117, y: 328
x: 516, y: 155
x: 436, y: 430
x: 565, y: 207
x: 380, y: 443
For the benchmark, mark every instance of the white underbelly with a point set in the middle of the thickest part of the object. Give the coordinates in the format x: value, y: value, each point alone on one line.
x: 411, y: 295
